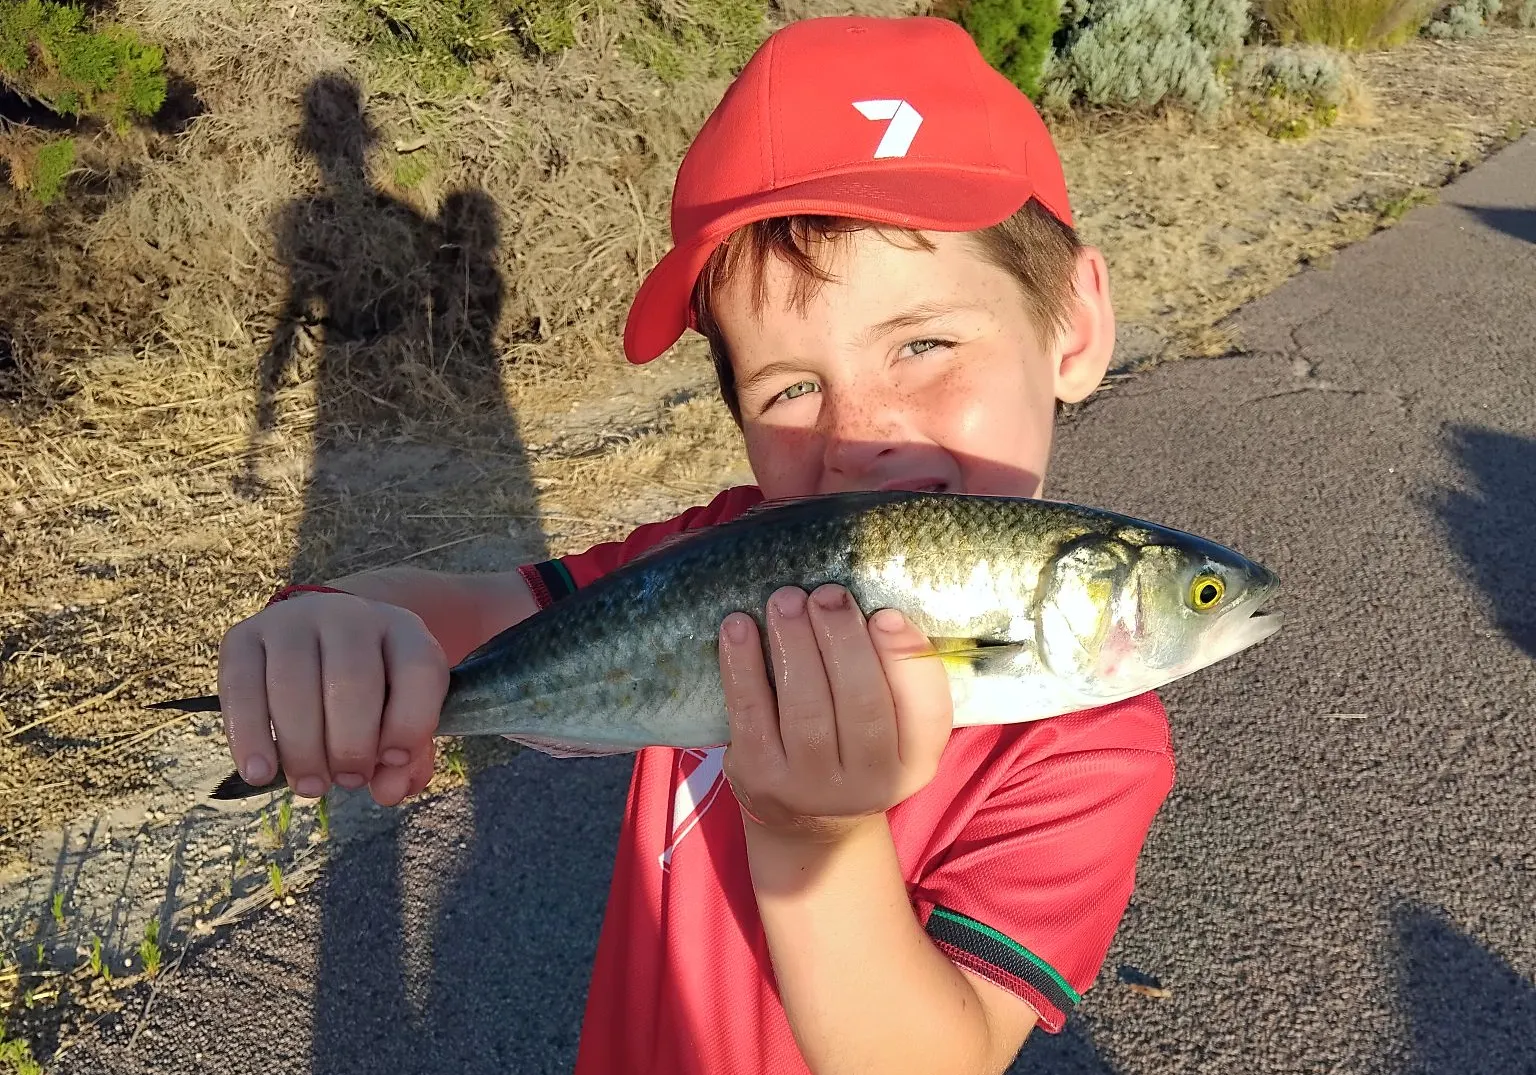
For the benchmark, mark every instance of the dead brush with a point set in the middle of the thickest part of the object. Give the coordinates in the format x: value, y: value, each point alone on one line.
x: 1347, y: 24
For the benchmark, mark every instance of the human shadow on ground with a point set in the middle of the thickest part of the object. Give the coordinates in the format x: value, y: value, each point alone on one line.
x: 1071, y: 1052
x: 1521, y: 223
x: 395, y: 314
x: 1490, y: 522
x: 499, y: 982
x: 1468, y: 1009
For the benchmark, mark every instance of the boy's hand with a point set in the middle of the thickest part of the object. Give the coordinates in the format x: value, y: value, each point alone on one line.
x: 352, y: 689
x: 858, y: 724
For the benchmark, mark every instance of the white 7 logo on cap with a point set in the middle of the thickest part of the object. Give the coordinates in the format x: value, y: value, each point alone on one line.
x: 905, y: 121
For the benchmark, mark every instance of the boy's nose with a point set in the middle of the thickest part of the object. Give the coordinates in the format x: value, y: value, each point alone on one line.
x: 858, y: 432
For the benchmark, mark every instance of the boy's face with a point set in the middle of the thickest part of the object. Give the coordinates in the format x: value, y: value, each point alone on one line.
x: 910, y: 369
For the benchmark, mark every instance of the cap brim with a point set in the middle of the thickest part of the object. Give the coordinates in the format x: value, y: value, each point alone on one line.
x: 912, y: 197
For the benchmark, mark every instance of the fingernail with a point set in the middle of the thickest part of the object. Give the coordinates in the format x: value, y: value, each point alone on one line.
x: 256, y: 771
x: 350, y: 781
x: 311, y: 787
x: 395, y: 756
x: 736, y: 629
x: 889, y: 620
x: 831, y: 597
x: 790, y: 603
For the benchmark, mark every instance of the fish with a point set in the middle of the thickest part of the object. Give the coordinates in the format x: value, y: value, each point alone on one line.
x: 1037, y: 608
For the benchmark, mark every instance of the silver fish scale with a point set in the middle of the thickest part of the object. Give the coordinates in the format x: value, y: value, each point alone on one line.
x: 633, y: 658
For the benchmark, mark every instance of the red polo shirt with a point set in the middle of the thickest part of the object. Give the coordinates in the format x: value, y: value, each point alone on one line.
x: 1019, y: 856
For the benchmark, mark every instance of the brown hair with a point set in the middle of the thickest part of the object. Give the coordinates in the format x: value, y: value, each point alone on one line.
x: 1032, y: 246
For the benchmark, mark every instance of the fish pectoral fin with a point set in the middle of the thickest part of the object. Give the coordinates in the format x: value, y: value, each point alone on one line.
x: 567, y: 748
x: 965, y: 654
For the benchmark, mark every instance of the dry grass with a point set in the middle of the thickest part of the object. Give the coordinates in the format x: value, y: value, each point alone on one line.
x: 142, y: 506
x: 1348, y: 24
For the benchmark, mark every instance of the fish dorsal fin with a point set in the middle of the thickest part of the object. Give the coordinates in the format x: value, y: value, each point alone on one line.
x: 860, y: 498
x: 669, y: 544
x: 763, y: 509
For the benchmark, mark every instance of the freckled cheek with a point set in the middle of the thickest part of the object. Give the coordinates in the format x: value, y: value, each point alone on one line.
x: 785, y: 462
x: 998, y: 432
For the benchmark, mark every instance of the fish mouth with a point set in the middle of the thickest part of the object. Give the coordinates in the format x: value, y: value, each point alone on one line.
x: 1240, y: 632
x: 1265, y: 620
x: 917, y: 485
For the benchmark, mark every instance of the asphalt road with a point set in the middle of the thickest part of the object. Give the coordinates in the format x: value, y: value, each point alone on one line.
x: 1344, y: 879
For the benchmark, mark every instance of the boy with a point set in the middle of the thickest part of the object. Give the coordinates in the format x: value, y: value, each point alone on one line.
x: 873, y: 232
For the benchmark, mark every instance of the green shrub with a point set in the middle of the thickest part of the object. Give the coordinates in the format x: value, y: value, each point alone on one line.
x: 1346, y: 24
x: 1014, y: 35
x: 546, y: 26
x: 47, y: 52
x: 1140, y: 53
x: 437, y: 42
x: 1525, y: 14
x: 685, y: 39
x: 1467, y: 19
x: 54, y: 163
x: 433, y: 41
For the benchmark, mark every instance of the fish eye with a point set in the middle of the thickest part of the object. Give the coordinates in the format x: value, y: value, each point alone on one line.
x: 1206, y: 591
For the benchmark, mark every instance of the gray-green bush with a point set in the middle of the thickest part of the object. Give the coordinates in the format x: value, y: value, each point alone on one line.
x: 1291, y: 90
x: 1140, y: 53
x: 1310, y: 75
x: 1466, y: 19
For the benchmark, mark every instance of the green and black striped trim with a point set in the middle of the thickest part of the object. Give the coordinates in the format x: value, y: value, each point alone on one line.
x: 550, y: 580
x: 1002, y: 952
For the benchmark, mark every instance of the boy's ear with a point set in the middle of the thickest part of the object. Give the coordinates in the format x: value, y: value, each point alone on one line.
x: 1088, y: 341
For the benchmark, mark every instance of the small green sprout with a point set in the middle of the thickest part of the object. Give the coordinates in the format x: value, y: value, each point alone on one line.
x: 149, y: 947
x: 98, y: 965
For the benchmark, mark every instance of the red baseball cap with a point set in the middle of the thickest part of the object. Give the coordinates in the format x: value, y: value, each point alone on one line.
x: 896, y: 121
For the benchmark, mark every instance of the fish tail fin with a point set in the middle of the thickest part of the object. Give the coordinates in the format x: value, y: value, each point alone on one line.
x: 234, y: 786
x: 207, y: 703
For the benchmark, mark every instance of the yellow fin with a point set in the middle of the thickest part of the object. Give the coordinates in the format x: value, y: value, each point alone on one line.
x: 963, y: 654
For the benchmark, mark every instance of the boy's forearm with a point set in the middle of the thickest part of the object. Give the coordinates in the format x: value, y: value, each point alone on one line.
x: 863, y: 986
x: 460, y: 610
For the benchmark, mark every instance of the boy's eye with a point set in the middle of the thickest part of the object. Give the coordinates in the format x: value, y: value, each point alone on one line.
x: 799, y: 388
x: 924, y: 346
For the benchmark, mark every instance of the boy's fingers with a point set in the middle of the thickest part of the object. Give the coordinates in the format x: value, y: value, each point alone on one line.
x: 421, y: 768
x: 390, y: 784
x: 243, y: 700
x: 807, y: 723
x: 919, y: 689
x: 861, y: 698
x: 353, y: 690
x: 294, y: 701
x: 417, y: 676
x: 749, y: 703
